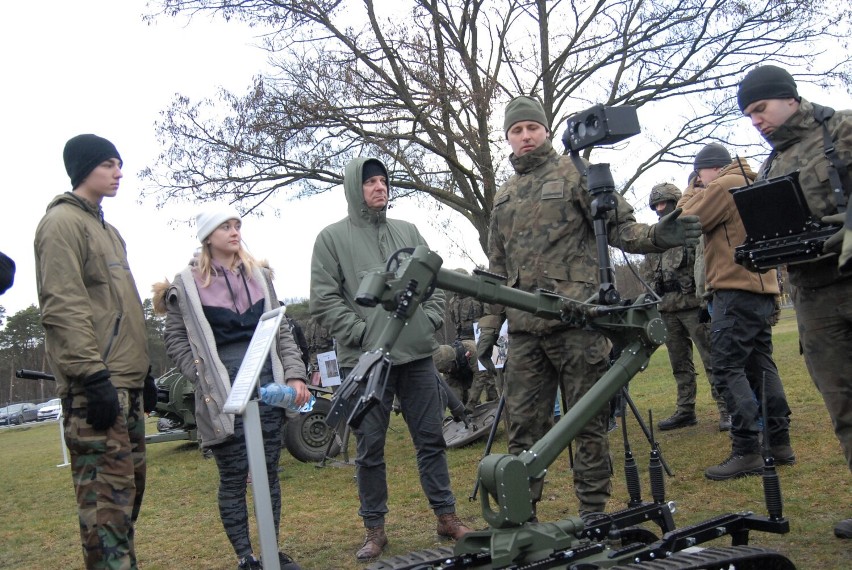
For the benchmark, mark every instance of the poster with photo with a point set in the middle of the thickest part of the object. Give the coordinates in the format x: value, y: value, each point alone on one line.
x: 501, y: 349
x: 328, y: 368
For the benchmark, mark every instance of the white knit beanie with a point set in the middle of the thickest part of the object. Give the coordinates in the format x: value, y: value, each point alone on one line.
x: 211, y: 218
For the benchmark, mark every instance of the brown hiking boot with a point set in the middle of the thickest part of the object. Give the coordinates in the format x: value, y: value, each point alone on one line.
x: 450, y: 526
x: 374, y: 542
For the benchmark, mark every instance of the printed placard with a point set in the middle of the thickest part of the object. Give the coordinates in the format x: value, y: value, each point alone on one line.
x: 244, y: 385
x: 501, y: 349
x: 328, y: 368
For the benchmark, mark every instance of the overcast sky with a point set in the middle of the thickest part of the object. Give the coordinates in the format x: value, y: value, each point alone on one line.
x: 93, y: 66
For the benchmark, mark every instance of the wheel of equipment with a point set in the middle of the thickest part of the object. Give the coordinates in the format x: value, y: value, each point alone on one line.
x: 307, y: 437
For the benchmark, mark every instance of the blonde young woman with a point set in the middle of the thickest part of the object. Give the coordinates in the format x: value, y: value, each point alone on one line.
x: 212, y: 308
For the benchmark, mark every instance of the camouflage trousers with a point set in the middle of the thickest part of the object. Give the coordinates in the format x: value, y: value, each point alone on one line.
x: 232, y: 460
x: 824, y: 317
x: 108, y: 470
x: 572, y: 360
x: 684, y: 330
x: 483, y: 380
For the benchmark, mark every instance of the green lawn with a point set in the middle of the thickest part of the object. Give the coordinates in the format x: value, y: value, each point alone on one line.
x: 179, y: 526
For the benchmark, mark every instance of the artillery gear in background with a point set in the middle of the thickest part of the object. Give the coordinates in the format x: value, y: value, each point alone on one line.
x: 663, y: 192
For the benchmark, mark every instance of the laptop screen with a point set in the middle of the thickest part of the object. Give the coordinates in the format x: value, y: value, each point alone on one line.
x: 773, y: 208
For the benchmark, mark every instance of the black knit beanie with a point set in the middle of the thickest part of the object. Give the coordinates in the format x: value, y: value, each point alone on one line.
x: 766, y: 82
x: 524, y: 108
x: 373, y: 167
x: 84, y: 153
x: 711, y: 156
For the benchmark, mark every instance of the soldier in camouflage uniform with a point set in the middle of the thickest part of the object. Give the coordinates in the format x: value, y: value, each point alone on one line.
x: 464, y: 311
x: 672, y: 275
x: 457, y: 362
x: 542, y: 236
x: 796, y: 130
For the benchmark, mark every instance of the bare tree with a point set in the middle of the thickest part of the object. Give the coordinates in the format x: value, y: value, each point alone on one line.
x: 422, y: 83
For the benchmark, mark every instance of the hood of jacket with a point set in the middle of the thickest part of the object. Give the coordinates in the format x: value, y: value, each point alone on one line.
x: 359, y: 213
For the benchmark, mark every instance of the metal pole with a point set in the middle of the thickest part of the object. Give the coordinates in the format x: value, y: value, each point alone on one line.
x: 260, y: 487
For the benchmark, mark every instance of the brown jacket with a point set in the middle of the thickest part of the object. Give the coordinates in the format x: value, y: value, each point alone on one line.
x: 723, y: 231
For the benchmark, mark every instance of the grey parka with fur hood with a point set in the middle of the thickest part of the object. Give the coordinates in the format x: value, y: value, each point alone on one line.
x: 191, y: 346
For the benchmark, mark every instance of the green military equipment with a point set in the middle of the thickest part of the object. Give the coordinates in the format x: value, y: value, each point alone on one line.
x: 511, y: 541
x: 305, y: 435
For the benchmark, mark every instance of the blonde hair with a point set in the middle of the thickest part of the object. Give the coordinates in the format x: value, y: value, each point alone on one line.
x: 206, y: 270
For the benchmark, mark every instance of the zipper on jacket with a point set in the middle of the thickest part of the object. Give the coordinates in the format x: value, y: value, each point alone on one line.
x: 114, y: 336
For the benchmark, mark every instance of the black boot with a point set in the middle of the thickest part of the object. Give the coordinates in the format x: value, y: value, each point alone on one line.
x: 677, y: 420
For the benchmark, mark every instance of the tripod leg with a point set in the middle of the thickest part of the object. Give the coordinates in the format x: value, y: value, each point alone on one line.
x: 626, y: 395
x: 491, y: 435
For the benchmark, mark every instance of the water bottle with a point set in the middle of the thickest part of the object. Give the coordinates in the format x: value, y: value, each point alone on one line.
x: 289, y: 396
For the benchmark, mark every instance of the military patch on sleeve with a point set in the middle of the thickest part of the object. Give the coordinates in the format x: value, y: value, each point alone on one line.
x: 552, y: 190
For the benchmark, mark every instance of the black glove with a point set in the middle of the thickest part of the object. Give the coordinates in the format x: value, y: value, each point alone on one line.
x: 149, y: 394
x: 704, y: 314
x: 102, y: 407
x: 484, y: 348
x: 674, y: 230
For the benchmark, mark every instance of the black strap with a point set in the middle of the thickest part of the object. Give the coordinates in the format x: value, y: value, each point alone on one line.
x: 836, y: 169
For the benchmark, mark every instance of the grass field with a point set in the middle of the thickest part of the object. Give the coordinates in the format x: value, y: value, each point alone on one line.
x: 179, y: 526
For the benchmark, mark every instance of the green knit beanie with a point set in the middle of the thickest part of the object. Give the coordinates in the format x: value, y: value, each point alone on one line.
x: 524, y: 108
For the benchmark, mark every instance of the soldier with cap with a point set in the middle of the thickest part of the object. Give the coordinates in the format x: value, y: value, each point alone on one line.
x: 96, y: 344
x: 464, y: 312
x: 816, y: 141
x: 740, y: 331
x: 542, y: 237
x: 672, y: 274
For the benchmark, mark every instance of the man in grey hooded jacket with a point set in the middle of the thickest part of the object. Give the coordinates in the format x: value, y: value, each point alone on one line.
x: 344, y: 253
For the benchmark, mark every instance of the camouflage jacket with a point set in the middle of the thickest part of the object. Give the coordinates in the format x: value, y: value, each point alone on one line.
x: 464, y: 311
x: 542, y: 234
x: 723, y: 231
x: 798, y: 145
x: 672, y: 275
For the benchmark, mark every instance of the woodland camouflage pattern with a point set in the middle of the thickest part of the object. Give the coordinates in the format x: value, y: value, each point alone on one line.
x: 108, y: 464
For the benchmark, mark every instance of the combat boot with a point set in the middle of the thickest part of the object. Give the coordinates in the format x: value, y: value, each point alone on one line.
x: 783, y: 455
x: 679, y: 419
x: 375, y: 541
x: 724, y: 421
x: 450, y: 526
x: 843, y: 529
x: 734, y: 466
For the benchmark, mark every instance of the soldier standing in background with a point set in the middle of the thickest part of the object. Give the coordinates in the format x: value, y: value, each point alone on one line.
x: 464, y: 311
x: 816, y: 141
x: 672, y: 275
x: 542, y: 236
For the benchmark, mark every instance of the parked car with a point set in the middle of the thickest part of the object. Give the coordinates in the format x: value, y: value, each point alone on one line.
x: 49, y: 410
x: 17, y: 414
